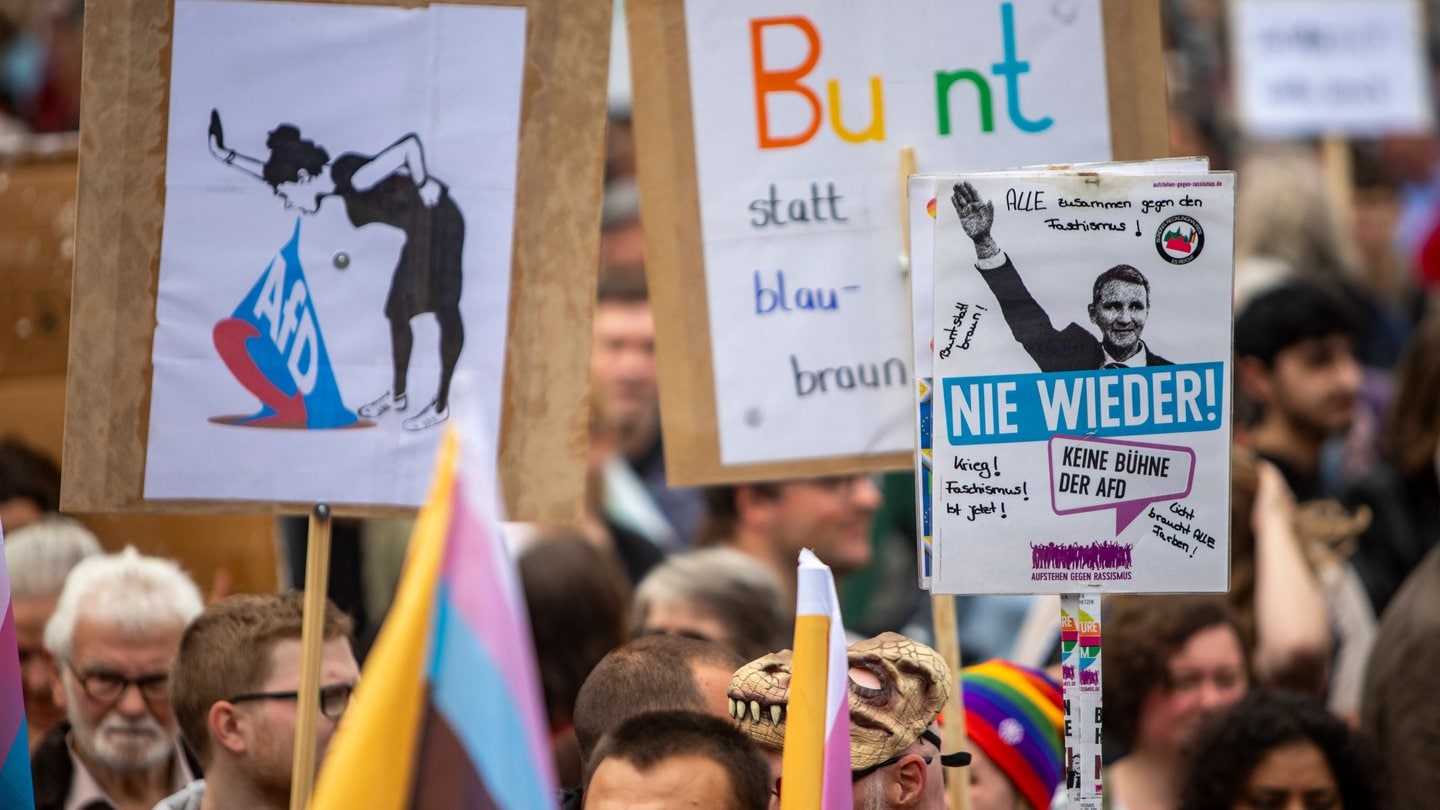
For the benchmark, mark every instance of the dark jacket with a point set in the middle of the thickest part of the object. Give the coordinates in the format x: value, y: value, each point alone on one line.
x: 1070, y: 349
x: 1399, y: 708
x: 1404, y: 526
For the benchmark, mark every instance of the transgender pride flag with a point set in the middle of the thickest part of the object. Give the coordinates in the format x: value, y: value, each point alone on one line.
x: 15, y: 789
x: 448, y: 713
x: 815, y: 771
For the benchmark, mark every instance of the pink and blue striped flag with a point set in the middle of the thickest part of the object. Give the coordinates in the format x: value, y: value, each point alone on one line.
x: 15, y: 789
x: 815, y: 771
x: 449, y: 711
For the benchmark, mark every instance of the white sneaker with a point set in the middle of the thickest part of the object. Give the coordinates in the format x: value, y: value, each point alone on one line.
x: 429, y: 417
x: 384, y: 403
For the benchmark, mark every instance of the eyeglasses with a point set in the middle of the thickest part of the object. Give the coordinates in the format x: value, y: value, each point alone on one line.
x: 106, y: 687
x: 333, y: 699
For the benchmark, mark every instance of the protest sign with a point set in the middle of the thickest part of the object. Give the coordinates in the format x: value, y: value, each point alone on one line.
x: 923, y: 201
x: 1330, y: 67
x: 321, y: 245
x: 1082, y: 457
x: 769, y: 141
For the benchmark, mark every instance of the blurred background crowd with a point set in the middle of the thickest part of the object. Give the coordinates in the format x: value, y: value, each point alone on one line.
x: 1335, y: 515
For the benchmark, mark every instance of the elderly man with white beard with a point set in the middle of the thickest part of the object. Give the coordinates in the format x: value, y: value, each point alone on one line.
x: 112, y: 637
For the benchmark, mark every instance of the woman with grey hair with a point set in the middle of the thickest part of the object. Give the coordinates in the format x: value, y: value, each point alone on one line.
x: 38, y: 557
x: 714, y: 594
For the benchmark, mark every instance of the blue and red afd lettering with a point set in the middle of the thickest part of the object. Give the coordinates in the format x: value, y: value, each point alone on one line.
x: 273, y: 345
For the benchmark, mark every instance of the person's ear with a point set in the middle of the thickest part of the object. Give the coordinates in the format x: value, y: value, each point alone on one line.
x: 1253, y: 377
x: 908, y: 785
x: 228, y: 727
x: 1090, y: 308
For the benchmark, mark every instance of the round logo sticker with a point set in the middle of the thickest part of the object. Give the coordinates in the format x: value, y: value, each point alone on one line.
x: 1179, y: 239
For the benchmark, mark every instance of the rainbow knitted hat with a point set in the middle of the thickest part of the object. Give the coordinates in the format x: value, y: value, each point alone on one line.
x: 1013, y: 715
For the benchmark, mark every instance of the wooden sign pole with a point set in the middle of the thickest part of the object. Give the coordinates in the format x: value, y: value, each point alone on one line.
x: 1339, y: 177
x: 312, y: 638
x: 952, y: 728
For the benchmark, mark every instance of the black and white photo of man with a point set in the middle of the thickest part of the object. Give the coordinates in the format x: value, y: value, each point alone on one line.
x: 1119, y: 306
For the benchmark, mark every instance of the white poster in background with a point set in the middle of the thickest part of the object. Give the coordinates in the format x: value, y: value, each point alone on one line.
x: 288, y: 294
x: 800, y: 111
x: 1330, y: 67
x: 1055, y: 469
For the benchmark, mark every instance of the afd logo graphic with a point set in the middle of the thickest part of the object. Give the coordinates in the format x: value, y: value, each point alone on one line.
x: 273, y: 345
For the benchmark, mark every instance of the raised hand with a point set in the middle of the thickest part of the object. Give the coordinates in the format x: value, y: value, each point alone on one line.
x: 245, y: 163
x: 217, y: 139
x: 976, y: 216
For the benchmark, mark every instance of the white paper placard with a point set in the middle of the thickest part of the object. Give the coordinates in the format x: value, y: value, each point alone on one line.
x: 920, y: 196
x: 315, y: 287
x: 1053, y: 474
x: 1330, y: 67
x: 800, y: 111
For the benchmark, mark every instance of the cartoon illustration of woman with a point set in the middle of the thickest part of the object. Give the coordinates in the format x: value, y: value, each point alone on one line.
x: 392, y: 188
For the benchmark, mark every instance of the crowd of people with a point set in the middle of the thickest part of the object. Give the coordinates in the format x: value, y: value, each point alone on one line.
x: 662, y: 621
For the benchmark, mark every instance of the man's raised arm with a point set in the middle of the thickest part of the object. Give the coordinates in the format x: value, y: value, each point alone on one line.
x: 976, y: 217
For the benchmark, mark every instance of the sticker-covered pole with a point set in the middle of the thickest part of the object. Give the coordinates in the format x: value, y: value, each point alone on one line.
x: 1080, y: 679
x: 312, y: 636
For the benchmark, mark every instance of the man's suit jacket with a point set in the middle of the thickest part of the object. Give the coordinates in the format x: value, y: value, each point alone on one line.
x: 1070, y: 349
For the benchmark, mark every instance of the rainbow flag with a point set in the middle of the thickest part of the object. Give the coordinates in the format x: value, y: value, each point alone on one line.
x: 815, y: 771
x: 15, y: 788
x: 448, y: 712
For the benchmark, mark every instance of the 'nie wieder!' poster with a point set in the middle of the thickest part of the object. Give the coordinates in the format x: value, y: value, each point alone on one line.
x: 1082, y: 364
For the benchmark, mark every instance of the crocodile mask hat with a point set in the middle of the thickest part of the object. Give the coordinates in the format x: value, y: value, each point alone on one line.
x: 897, y: 687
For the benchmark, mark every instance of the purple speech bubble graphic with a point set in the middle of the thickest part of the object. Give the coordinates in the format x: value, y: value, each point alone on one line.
x: 1088, y: 474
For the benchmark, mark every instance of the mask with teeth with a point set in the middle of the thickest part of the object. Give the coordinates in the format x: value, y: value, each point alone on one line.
x: 897, y: 687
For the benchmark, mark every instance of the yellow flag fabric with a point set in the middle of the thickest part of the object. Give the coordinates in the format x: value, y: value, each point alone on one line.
x: 371, y: 760
x: 801, y: 770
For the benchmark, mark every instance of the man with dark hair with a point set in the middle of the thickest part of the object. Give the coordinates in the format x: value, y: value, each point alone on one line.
x: 234, y: 688
x: 652, y: 673
x: 1295, y: 358
x: 677, y: 759
x: 29, y: 484
x: 1119, y: 305
x: 831, y: 515
x: 623, y: 378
